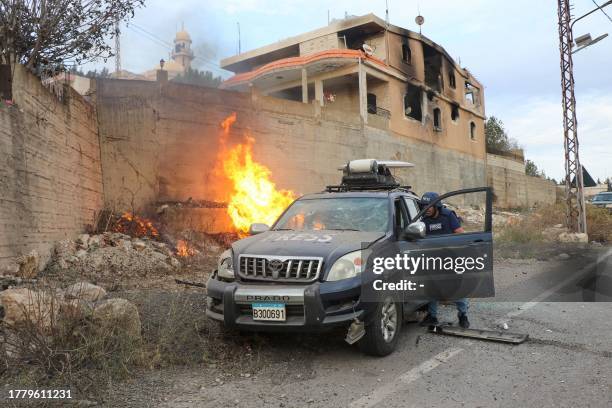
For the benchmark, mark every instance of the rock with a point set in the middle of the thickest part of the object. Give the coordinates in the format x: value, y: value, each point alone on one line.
x: 81, y: 253
x: 95, y: 241
x: 563, y: 256
x: 85, y: 291
x: 175, y: 263
x: 573, y: 237
x: 24, y: 305
x: 139, y: 245
x: 83, y: 241
x: 118, y: 313
x: 28, y: 265
x: 126, y: 245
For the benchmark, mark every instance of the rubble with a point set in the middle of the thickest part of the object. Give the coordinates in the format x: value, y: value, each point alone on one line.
x: 573, y: 237
x: 114, y: 254
x: 85, y: 291
x: 28, y: 265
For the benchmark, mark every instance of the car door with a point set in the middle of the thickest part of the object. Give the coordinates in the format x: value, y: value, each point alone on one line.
x: 450, y: 266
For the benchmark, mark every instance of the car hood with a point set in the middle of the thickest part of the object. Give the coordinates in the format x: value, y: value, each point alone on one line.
x: 329, y: 245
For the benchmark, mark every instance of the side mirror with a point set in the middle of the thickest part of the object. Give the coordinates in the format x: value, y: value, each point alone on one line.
x: 258, y: 228
x: 416, y: 230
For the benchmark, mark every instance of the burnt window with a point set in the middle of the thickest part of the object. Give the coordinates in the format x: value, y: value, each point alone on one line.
x: 437, y: 119
x: 471, y: 93
x: 371, y: 103
x: 433, y: 67
x: 412, y: 103
x: 455, y: 112
x: 406, y: 54
x: 451, y: 79
x: 472, y: 131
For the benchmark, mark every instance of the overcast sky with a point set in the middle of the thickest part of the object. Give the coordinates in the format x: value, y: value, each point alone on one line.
x: 510, y: 46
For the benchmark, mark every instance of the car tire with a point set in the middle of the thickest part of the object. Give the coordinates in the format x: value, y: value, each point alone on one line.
x: 382, y: 331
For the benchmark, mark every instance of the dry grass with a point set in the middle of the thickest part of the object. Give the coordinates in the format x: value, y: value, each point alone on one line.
x: 53, y: 347
x: 531, y: 227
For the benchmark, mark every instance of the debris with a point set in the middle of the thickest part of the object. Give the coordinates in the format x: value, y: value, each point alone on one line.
x: 563, y: 256
x: 490, y: 335
x: 574, y: 237
x: 505, y: 326
x: 85, y: 291
x: 28, y: 265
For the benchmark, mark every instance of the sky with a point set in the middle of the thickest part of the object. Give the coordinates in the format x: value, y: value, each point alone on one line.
x: 512, y: 47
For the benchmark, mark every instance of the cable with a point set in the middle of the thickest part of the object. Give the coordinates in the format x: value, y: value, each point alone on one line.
x: 602, y: 10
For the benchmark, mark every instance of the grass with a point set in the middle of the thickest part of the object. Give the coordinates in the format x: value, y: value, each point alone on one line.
x: 530, y: 228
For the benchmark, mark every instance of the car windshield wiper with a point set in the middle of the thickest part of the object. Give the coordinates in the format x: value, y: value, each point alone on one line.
x: 341, y: 229
x: 283, y: 229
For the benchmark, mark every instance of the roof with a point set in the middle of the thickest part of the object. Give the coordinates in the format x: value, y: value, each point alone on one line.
x: 183, y: 36
x: 296, y: 62
x: 283, y: 48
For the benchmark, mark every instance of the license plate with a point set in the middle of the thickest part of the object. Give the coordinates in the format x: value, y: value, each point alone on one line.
x: 269, y: 311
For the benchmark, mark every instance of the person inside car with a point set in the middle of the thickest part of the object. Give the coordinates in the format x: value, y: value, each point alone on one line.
x: 439, y: 221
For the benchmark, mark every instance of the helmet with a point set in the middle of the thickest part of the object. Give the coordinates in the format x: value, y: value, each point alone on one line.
x: 428, y: 198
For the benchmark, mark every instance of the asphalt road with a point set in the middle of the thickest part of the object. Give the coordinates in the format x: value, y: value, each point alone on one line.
x: 566, y: 362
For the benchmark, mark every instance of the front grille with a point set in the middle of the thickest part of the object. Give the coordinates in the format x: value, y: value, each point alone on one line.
x: 280, y: 268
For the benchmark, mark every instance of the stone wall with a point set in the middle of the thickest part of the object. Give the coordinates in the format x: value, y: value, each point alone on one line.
x: 50, y: 177
x: 513, y: 188
x: 159, y: 143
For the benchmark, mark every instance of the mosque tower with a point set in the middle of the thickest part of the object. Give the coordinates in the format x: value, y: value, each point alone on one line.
x: 182, y: 53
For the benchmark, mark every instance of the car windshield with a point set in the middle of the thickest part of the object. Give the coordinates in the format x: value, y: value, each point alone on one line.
x: 603, y: 197
x: 353, y: 214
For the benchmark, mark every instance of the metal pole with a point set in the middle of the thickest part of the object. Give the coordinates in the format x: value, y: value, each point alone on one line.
x: 574, y: 193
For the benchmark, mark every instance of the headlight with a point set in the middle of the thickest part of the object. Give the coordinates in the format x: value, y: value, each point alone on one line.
x: 225, y: 265
x: 348, y: 266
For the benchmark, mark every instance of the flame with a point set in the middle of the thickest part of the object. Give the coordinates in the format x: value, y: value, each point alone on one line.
x: 254, y: 197
x: 183, y: 249
x: 136, y: 226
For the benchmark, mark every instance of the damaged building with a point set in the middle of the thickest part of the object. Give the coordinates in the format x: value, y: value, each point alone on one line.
x: 391, y: 77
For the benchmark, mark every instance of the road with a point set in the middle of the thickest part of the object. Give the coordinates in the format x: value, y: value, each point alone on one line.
x: 566, y: 362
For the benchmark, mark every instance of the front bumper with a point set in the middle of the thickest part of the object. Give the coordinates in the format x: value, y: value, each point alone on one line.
x: 314, y: 307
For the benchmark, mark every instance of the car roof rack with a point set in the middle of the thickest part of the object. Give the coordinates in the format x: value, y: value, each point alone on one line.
x: 369, y: 175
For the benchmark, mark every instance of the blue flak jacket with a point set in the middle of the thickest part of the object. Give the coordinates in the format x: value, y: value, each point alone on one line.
x: 445, y: 223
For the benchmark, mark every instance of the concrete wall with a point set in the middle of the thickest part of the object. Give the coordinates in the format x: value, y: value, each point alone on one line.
x: 513, y: 188
x: 50, y: 177
x: 159, y: 143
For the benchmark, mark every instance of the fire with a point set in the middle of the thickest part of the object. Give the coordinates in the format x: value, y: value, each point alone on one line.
x: 133, y: 225
x: 183, y: 249
x: 254, y: 196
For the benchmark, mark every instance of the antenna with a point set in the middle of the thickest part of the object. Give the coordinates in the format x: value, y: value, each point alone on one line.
x: 239, y: 45
x: 420, y: 20
x: 387, y: 12
x: 327, y: 16
x: 117, y: 48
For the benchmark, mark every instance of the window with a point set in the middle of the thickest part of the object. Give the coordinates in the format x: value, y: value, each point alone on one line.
x: 401, y: 215
x: 371, y: 103
x: 412, y: 103
x: 413, y: 209
x: 437, y: 119
x: 470, y: 93
x: 454, y: 112
x: 451, y: 79
x: 406, y: 54
x: 472, y: 131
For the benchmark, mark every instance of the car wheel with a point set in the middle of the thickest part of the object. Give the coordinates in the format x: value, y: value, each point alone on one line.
x: 383, y: 329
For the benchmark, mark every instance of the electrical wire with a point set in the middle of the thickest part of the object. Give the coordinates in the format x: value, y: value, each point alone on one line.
x: 602, y: 10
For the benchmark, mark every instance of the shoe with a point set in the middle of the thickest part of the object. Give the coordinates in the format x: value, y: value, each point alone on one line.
x: 463, y: 321
x: 429, y: 320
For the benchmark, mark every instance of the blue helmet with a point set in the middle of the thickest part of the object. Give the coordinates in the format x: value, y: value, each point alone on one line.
x: 428, y: 198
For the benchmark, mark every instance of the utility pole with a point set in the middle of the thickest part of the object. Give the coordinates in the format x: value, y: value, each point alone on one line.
x: 574, y: 193
x: 117, y: 49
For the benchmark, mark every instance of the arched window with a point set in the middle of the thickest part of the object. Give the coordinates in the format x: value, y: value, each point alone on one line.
x: 472, y: 131
x: 406, y: 54
x: 455, y: 112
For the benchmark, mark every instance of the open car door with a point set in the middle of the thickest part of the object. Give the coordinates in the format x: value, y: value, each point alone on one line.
x: 451, y: 266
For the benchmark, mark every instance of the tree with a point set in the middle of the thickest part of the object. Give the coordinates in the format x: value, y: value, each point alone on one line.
x: 196, y: 77
x: 44, y: 35
x: 532, y: 170
x: 496, y: 136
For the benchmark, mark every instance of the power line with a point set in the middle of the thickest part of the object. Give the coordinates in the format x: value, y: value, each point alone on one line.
x: 602, y: 10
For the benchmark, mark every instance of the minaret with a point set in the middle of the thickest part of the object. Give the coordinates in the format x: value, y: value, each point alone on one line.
x: 182, y: 53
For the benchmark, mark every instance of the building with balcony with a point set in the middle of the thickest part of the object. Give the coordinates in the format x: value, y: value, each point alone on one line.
x: 391, y: 77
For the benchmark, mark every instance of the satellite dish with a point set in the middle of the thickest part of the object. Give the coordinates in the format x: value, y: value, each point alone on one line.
x: 420, y: 20
x: 368, y: 49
